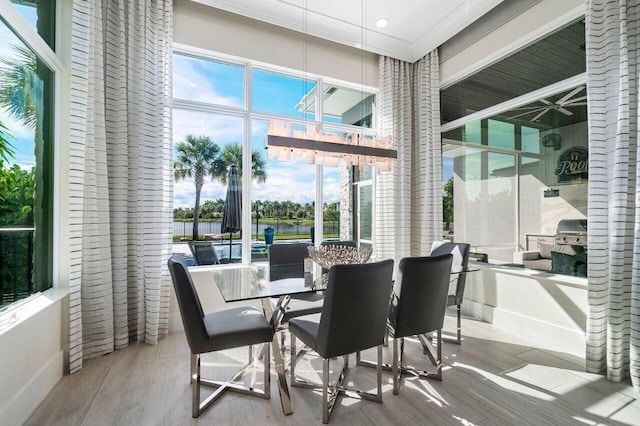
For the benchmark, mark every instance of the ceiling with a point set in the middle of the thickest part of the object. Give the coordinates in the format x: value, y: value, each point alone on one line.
x: 556, y: 57
x: 415, y: 28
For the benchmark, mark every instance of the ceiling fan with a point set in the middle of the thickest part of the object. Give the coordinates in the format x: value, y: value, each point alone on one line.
x: 560, y: 105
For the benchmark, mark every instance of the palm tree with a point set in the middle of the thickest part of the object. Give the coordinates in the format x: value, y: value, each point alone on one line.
x: 196, y: 158
x: 21, y: 88
x: 6, y: 149
x: 232, y: 154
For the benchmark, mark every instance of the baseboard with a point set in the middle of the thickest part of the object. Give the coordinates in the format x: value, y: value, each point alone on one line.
x: 19, y: 408
x: 477, y: 310
x: 541, y: 334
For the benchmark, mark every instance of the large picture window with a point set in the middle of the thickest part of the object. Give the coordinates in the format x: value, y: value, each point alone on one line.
x: 517, y: 165
x: 26, y: 158
x: 284, y: 193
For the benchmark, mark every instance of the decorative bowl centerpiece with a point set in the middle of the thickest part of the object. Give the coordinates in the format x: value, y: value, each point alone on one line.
x: 327, y: 256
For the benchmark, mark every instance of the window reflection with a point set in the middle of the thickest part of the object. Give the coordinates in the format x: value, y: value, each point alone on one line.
x: 26, y: 122
x: 41, y: 15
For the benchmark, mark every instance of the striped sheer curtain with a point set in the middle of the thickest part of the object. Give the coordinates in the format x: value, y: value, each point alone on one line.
x: 613, y: 325
x: 408, y: 202
x: 121, y: 174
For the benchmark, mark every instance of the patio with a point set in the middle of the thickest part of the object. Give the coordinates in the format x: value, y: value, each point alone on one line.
x: 493, y: 378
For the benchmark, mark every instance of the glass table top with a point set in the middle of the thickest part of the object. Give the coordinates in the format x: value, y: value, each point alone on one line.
x: 252, y: 282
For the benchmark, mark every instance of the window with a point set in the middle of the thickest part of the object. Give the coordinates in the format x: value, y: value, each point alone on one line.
x: 26, y: 158
x: 363, y: 205
x: 500, y: 193
x: 41, y: 15
x: 507, y: 175
x: 210, y: 100
x: 283, y: 95
x: 348, y: 106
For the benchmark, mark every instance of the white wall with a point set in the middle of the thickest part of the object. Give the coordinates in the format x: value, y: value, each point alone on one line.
x: 32, y: 346
x: 548, y: 310
x: 34, y: 335
x: 218, y: 31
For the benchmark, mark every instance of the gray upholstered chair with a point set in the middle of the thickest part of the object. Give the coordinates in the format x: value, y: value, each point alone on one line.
x: 286, y: 260
x: 203, y: 253
x: 231, y: 328
x: 353, y: 319
x: 460, y: 253
x: 419, y: 310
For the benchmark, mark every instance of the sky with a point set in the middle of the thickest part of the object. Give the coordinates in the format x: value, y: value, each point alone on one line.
x: 22, y: 137
x: 222, y: 84
x: 211, y: 82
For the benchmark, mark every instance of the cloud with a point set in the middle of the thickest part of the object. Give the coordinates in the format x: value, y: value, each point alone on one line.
x: 193, y: 80
x: 221, y: 129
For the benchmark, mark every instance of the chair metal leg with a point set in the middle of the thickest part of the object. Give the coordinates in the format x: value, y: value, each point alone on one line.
x: 330, y: 394
x: 195, y: 385
x: 283, y: 388
x: 395, y: 368
x: 266, y: 356
x: 379, y: 374
x: 192, y: 367
x: 459, y: 341
x: 325, y: 391
x: 398, y: 368
x: 292, y: 363
x: 197, y: 381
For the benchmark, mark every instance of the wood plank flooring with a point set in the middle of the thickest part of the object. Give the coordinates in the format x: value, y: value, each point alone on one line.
x: 493, y: 378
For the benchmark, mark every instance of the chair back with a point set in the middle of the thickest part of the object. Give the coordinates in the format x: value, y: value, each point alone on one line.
x: 460, y: 253
x: 286, y: 260
x: 189, y: 304
x: 355, y: 310
x: 423, y: 295
x: 347, y: 243
x: 204, y: 253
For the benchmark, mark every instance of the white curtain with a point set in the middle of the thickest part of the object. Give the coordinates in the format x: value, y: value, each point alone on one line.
x: 121, y: 174
x: 613, y: 325
x: 408, y: 203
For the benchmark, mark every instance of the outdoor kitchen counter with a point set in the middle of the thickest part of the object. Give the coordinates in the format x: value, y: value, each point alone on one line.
x: 550, y: 309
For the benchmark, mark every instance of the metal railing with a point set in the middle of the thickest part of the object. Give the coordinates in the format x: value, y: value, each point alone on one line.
x: 16, y: 264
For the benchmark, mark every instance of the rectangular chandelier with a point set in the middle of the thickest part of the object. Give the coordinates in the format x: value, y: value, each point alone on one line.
x: 317, y: 147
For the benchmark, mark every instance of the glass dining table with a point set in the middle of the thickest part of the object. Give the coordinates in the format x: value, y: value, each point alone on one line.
x: 253, y: 283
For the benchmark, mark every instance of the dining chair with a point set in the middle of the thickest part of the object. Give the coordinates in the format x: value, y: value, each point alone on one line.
x: 217, y: 331
x: 353, y: 318
x: 203, y: 252
x: 417, y: 309
x: 460, y: 253
x: 286, y: 260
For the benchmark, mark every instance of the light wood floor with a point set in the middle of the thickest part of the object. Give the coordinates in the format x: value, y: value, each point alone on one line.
x: 492, y: 379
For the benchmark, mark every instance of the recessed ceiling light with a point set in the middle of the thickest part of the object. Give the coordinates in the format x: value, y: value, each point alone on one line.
x: 382, y: 22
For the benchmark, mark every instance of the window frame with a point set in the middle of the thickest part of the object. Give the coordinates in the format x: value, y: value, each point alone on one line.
x: 490, y: 112
x: 249, y: 114
x: 57, y: 60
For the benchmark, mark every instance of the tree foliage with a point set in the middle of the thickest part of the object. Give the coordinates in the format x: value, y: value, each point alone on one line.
x: 199, y: 158
x: 21, y: 88
x: 447, y: 202
x: 232, y: 154
x: 16, y: 197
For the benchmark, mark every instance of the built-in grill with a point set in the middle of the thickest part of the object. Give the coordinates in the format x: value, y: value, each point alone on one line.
x: 569, y: 255
x: 572, y: 232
